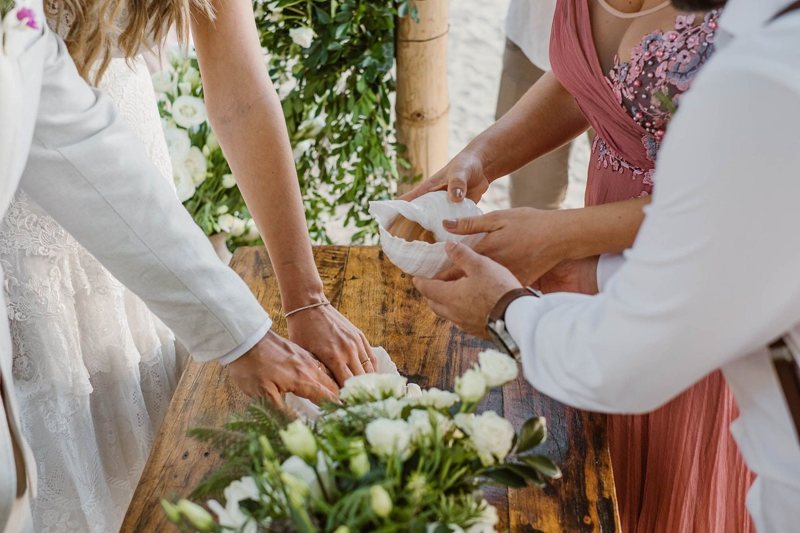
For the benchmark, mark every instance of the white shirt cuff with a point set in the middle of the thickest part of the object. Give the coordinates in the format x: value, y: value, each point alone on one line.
x: 247, y: 345
x: 607, y: 267
x: 522, y: 316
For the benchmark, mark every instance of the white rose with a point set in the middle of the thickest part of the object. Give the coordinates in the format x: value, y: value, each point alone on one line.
x: 388, y: 437
x: 372, y: 387
x: 302, y: 36
x: 301, y: 148
x: 252, y: 231
x: 471, y: 387
x: 438, y: 399
x: 196, y: 165
x: 225, y: 222
x: 184, y: 186
x: 228, y: 181
x: 490, y: 434
x: 189, y: 111
x: 238, y: 227
x: 497, y: 368
x: 380, y: 501
x: 162, y: 81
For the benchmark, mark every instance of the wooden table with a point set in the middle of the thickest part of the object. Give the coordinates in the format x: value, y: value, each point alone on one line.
x: 381, y: 300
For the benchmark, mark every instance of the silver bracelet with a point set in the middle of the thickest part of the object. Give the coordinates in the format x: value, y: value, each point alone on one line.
x: 306, y: 308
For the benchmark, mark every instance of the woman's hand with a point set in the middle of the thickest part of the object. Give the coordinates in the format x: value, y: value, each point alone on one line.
x: 529, y: 242
x: 463, y: 177
x: 572, y: 275
x: 336, y: 342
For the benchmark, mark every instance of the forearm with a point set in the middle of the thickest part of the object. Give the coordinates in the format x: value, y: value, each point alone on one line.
x: 602, y: 229
x: 246, y: 114
x: 545, y: 118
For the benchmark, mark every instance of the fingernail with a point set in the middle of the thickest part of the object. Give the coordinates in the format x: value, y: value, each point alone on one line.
x: 450, y: 223
x: 458, y: 193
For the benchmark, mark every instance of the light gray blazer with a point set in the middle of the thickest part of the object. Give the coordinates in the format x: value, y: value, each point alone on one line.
x: 75, y: 158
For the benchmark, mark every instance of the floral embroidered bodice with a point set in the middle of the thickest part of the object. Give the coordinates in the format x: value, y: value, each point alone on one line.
x: 660, y: 70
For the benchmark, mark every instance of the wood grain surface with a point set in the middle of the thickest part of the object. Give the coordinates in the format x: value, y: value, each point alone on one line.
x: 380, y: 300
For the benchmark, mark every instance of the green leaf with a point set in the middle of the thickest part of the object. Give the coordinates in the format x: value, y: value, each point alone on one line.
x: 533, y: 476
x: 506, y: 477
x: 543, y: 464
x: 532, y: 434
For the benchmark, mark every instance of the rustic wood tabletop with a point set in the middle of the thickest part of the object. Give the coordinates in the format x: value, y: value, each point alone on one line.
x: 381, y: 300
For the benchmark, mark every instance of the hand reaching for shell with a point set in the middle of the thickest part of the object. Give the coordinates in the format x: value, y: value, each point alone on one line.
x: 529, y: 242
x: 463, y: 177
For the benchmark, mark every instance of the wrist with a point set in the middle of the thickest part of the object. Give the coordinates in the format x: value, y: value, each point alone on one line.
x: 302, y: 295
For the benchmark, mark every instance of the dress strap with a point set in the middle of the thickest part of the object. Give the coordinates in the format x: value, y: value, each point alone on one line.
x: 623, y: 15
x: 794, y: 6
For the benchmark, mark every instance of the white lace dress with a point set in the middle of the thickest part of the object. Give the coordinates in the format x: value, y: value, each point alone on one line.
x: 93, y: 368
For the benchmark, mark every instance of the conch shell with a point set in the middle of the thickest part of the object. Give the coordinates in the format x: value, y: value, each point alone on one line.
x: 412, y: 235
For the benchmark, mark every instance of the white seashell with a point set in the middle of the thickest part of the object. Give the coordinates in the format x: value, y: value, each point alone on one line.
x: 307, y: 410
x: 420, y: 258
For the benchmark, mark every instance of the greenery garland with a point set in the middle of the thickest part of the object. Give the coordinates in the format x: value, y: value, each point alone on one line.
x: 332, y: 62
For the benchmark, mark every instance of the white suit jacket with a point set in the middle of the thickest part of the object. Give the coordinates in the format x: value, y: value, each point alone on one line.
x: 73, y: 156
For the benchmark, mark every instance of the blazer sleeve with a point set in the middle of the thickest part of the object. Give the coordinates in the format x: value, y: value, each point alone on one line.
x: 92, y: 175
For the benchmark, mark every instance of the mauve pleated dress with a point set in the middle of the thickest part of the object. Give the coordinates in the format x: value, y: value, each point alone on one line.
x: 676, y: 469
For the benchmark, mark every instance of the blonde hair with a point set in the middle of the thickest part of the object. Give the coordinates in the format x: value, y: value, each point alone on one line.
x: 94, y: 29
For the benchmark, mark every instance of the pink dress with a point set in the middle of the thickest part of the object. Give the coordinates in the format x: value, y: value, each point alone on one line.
x: 676, y: 469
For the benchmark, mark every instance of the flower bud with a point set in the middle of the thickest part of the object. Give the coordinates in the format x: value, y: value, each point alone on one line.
x: 300, y: 441
x: 359, y: 464
x: 471, y: 387
x: 172, y: 512
x: 380, y: 501
x: 198, y: 517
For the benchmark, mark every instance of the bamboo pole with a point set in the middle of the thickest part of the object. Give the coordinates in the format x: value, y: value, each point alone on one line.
x: 422, y: 99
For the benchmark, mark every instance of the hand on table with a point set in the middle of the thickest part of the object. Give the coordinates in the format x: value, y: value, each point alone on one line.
x: 467, y: 301
x: 526, y: 241
x: 276, y: 366
x: 336, y: 342
x: 463, y: 177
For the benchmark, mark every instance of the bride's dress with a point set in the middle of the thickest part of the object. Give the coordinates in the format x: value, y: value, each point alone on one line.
x: 93, y: 368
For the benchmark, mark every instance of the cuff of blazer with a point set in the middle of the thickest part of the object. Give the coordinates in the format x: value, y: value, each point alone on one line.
x: 247, y: 345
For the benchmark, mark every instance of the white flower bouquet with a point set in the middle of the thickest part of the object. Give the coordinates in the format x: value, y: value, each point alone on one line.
x: 390, y: 457
x: 203, y: 179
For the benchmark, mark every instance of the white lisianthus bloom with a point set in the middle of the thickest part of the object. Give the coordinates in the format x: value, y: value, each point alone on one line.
x: 252, y: 231
x: 185, y: 88
x: 178, y: 142
x: 422, y: 428
x: 212, y: 143
x: 436, y: 398
x: 302, y: 36
x: 194, y: 164
x: 491, y: 435
x: 189, y: 111
x: 471, y: 387
x: 304, y: 473
x: 497, y: 368
x: 372, y: 387
x: 300, y: 441
x: 163, y: 82
x: 225, y: 222
x: 301, y: 148
x: 285, y: 87
x: 184, y: 186
x: 413, y: 391
x: 192, y: 76
x: 228, y: 181
x: 388, y: 437
x: 488, y: 520
x: 380, y: 501
x: 231, y: 516
x: 238, y: 227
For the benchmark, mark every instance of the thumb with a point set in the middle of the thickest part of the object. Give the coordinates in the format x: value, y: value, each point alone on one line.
x: 457, y: 187
x: 464, y: 257
x: 469, y: 225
